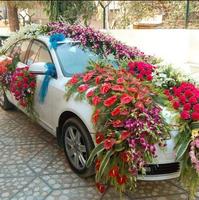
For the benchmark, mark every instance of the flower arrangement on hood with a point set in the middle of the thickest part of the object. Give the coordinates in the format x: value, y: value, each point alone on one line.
x: 22, y: 86
x: 127, y: 121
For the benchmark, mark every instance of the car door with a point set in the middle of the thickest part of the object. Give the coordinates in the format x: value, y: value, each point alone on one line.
x: 39, y: 53
x: 19, y: 49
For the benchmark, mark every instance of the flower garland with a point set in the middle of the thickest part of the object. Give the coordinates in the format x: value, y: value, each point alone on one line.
x: 22, y: 86
x: 98, y: 42
x: 19, y: 81
x: 127, y: 122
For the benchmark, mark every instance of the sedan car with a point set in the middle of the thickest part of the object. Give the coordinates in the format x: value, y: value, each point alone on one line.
x: 70, y: 121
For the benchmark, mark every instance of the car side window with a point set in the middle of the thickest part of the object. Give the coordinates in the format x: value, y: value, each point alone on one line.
x: 18, y: 49
x: 24, y: 47
x: 9, y: 51
x: 38, y: 53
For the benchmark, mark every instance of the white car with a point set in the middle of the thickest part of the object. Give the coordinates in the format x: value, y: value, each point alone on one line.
x: 70, y: 121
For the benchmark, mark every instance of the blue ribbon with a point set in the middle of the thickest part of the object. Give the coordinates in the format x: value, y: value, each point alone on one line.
x: 56, y: 38
x: 44, y: 87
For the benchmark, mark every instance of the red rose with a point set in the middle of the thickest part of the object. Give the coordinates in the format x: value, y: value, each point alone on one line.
x: 125, y: 156
x: 193, y: 100
x: 25, y: 85
x: 117, y: 123
x: 167, y: 92
x: 196, y: 108
x: 188, y: 93
x: 125, y: 99
x: 131, y: 66
x: 195, y: 116
x: 116, y: 111
x: 99, y: 138
x: 114, y: 172
x: 120, y: 80
x: 97, y: 79
x: 97, y: 164
x: 149, y: 78
x: 182, y: 99
x: 100, y: 187
x: 187, y: 106
x: 95, y: 116
x: 96, y: 100
x: 176, y: 104
x: 32, y: 84
x: 185, y: 115
x: 87, y: 76
x: 105, y: 88
x: 110, y: 101
x: 108, y: 143
x: 121, y: 179
x: 23, y: 103
x: 19, y: 84
x: 25, y: 79
x: 124, y: 135
x: 170, y: 98
x: 90, y: 93
x: 82, y: 88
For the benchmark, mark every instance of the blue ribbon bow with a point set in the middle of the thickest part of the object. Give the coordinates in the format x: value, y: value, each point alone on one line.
x: 44, y: 87
x: 56, y: 38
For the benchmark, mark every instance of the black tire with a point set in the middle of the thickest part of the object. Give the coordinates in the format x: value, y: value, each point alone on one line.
x: 5, y: 103
x: 77, y: 140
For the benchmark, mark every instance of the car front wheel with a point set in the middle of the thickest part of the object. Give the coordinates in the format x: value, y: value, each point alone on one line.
x: 78, y: 145
x: 4, y: 102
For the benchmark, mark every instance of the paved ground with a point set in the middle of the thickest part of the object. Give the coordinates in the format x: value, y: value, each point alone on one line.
x: 33, y: 167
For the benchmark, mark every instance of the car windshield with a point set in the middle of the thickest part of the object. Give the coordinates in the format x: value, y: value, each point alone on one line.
x: 74, y: 59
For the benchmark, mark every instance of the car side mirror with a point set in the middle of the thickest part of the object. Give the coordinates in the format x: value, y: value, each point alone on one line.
x: 41, y: 68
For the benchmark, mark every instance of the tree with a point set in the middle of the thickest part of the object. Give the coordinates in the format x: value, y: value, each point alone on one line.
x: 174, y: 12
x: 70, y: 11
x: 12, y: 9
x: 104, y: 5
x: 13, y: 16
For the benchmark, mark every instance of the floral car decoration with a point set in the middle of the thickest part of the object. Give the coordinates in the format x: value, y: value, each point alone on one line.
x: 127, y: 105
x: 127, y: 121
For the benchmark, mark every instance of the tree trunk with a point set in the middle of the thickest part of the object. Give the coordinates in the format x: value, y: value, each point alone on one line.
x: 13, y: 16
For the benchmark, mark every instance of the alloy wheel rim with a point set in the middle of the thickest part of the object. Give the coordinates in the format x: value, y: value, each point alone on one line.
x: 75, y: 147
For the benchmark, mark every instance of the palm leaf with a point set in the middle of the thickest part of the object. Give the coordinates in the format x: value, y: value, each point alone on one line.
x: 95, y: 151
x: 104, y: 164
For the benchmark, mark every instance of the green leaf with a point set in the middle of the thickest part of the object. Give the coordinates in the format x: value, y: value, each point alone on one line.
x: 104, y: 164
x: 182, y: 148
x: 95, y: 151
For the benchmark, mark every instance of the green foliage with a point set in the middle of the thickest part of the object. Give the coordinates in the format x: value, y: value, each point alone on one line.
x: 173, y: 13
x: 94, y: 153
x: 70, y: 11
